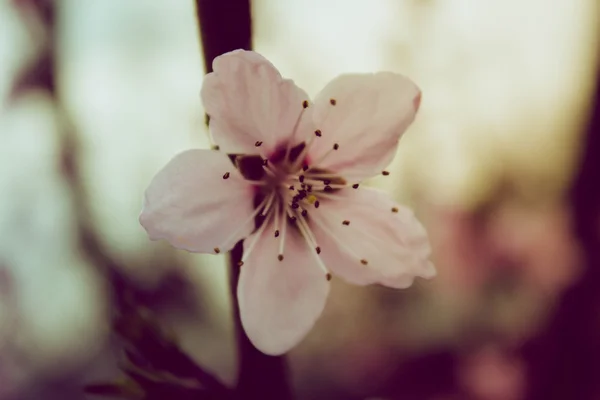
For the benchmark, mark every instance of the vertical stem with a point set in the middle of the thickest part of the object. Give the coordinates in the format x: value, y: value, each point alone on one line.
x: 226, y: 26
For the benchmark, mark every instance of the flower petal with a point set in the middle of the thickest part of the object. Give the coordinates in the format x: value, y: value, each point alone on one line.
x: 280, y: 300
x: 365, y: 116
x: 365, y: 237
x: 199, y: 202
x: 250, y: 103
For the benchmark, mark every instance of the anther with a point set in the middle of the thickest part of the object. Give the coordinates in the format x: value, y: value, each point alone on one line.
x: 301, y: 178
x: 217, y: 250
x: 317, y: 204
x: 318, y: 249
x: 258, y: 143
x: 265, y: 162
x: 327, y: 181
x: 328, y: 276
x: 216, y: 147
x: 336, y: 146
x: 385, y: 173
x: 318, y: 133
x: 305, y: 167
x: 328, y: 188
x: 394, y: 209
x: 277, y: 233
x: 346, y: 222
x: 280, y: 257
x: 295, y: 205
x: 240, y: 263
x: 226, y: 175
x: 309, y: 188
x: 364, y: 262
x: 333, y: 102
x: 355, y: 186
x: 293, y: 219
x: 304, y: 213
x: 305, y: 104
x: 291, y: 187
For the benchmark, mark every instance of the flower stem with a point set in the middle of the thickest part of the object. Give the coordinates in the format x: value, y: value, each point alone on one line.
x: 226, y: 26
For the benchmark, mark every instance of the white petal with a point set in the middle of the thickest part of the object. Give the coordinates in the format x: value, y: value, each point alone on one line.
x: 280, y: 300
x: 192, y: 206
x: 249, y: 102
x: 368, y: 117
x: 378, y: 245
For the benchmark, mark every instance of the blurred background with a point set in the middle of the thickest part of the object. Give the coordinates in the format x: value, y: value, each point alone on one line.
x: 95, y: 97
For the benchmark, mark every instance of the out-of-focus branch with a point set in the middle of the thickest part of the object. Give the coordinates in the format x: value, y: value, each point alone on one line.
x: 226, y: 26
x: 564, y: 359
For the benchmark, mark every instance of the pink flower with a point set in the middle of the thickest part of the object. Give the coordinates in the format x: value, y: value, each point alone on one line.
x: 292, y: 192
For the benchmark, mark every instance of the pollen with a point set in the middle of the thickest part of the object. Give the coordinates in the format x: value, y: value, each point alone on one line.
x: 305, y: 104
x: 394, y: 209
x: 364, y: 262
x: 318, y: 133
x: 217, y: 250
x: 226, y: 175
x: 346, y: 222
x: 333, y: 102
x: 280, y: 257
x: 258, y: 143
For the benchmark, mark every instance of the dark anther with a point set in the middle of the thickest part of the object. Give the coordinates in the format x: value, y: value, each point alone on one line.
x: 336, y: 146
x: 309, y: 188
x: 333, y: 102
x: 327, y: 181
x: 301, y: 178
x: 216, y: 147
x: 295, y: 205
x: 328, y: 276
x: 265, y: 162
x: 364, y: 262
x: 328, y: 188
x: 346, y: 222
x: 304, y: 213
x: 305, y: 104
x: 317, y: 204
x: 226, y: 175
x: 280, y: 257
x: 318, y: 133
x: 385, y: 173
x: 240, y: 263
x: 305, y: 167
x: 293, y: 219
x: 258, y: 143
x: 217, y: 250
x: 292, y: 187
x: 277, y: 233
x: 318, y: 249
x: 355, y: 186
x: 394, y: 209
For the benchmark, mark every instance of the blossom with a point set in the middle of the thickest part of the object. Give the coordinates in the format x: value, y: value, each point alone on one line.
x: 286, y: 181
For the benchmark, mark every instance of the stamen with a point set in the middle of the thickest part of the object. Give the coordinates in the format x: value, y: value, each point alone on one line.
x: 226, y: 175
x: 333, y: 102
x: 394, y: 209
x: 301, y: 178
x: 255, y: 240
x: 280, y: 257
x: 305, y: 104
x: 284, y: 228
x: 328, y: 276
x: 346, y: 222
x: 291, y: 187
x: 318, y: 133
x: 304, y: 213
x: 311, y: 241
x: 385, y: 173
x: 258, y: 143
x: 364, y: 262
x: 277, y: 233
x: 305, y: 167
x: 317, y: 204
x: 336, y: 146
x: 355, y: 186
x: 318, y: 250
x: 217, y: 250
x: 250, y: 218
